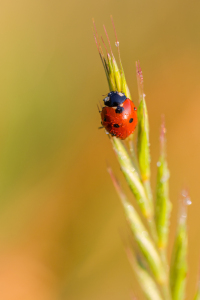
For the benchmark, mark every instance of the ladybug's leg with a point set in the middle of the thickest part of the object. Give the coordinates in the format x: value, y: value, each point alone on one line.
x: 98, y: 108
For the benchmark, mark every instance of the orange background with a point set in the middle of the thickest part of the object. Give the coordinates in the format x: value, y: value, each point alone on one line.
x: 60, y: 218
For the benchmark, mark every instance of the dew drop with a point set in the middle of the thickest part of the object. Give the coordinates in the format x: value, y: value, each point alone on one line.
x: 158, y: 164
x: 188, y: 201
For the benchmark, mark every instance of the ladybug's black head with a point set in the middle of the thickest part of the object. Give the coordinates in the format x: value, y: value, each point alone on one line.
x: 114, y: 99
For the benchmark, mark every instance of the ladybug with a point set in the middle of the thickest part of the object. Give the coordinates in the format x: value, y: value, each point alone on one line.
x: 119, y: 116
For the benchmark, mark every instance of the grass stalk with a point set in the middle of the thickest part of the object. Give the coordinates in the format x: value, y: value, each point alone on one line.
x: 149, y: 227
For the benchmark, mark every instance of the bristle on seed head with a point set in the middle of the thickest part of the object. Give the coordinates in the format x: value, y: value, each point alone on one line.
x: 139, y: 79
x: 108, y: 40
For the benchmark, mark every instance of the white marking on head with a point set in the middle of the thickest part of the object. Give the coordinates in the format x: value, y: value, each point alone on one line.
x: 107, y: 99
x: 120, y: 94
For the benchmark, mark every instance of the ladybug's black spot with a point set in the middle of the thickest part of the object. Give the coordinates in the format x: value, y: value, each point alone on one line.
x: 116, y: 125
x: 135, y: 108
x: 131, y: 120
x: 104, y: 119
x: 119, y: 109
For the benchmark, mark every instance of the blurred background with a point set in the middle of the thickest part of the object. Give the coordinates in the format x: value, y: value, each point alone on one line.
x: 60, y: 218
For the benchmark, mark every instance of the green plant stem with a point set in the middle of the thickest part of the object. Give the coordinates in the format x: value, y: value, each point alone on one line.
x: 147, y: 187
x: 166, y: 292
x: 134, y: 156
x: 197, y: 295
x: 164, y: 259
x: 152, y: 229
x: 166, y: 288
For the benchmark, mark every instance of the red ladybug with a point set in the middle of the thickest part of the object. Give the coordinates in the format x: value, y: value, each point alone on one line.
x: 119, y: 116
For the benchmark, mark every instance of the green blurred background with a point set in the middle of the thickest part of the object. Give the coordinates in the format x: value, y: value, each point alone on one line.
x: 60, y: 218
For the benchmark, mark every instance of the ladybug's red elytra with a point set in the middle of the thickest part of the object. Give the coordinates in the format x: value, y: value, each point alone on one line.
x: 119, y: 116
